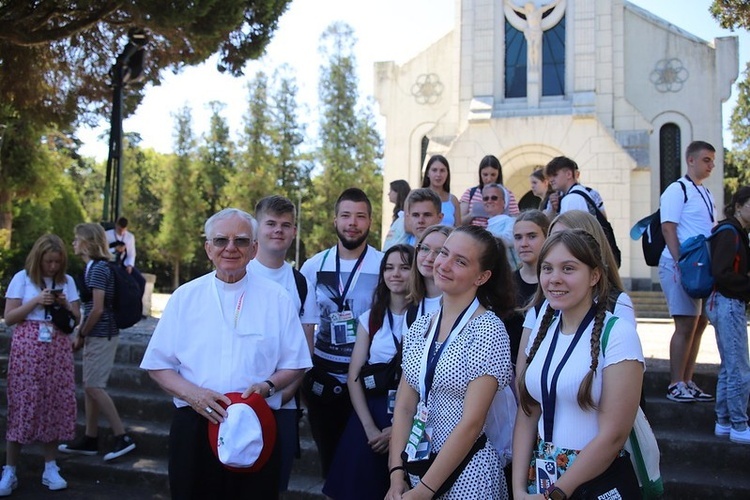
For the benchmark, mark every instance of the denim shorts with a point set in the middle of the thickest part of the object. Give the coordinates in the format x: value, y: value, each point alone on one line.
x: 678, y: 301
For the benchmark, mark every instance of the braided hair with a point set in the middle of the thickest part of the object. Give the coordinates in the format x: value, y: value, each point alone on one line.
x: 584, y: 248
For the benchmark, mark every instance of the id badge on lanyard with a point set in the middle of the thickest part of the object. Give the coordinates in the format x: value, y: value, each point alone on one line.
x: 343, y: 322
x: 45, y: 333
x: 343, y: 328
x: 419, y: 444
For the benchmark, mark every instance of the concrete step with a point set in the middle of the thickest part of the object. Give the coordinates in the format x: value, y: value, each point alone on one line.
x: 703, y: 450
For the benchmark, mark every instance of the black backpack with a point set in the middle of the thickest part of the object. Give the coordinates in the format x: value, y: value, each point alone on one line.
x: 652, y: 239
x: 128, y: 302
x: 301, y: 282
x: 606, y: 226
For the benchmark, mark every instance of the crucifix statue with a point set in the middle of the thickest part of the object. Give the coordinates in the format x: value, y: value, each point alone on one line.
x: 533, y: 18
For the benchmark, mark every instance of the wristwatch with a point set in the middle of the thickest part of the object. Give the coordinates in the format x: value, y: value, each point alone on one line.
x: 555, y: 493
x: 271, y: 388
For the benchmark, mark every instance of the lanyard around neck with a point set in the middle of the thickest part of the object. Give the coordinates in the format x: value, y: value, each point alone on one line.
x: 351, y: 282
x: 431, y: 354
x: 549, y: 395
x: 708, y: 206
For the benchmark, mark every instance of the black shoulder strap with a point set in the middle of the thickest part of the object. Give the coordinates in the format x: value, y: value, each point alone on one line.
x: 472, y: 191
x: 411, y: 314
x: 684, y: 190
x: 588, y: 199
x: 301, y: 282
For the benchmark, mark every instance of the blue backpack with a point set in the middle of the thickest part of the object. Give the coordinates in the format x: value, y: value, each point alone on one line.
x: 695, y: 264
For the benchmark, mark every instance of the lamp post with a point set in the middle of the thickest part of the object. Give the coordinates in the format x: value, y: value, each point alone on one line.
x: 127, y: 69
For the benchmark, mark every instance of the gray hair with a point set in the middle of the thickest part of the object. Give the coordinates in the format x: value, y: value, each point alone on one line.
x: 228, y: 213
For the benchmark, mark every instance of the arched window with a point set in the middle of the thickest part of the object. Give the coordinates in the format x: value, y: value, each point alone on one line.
x: 515, y: 62
x: 553, y: 60
x: 670, y: 149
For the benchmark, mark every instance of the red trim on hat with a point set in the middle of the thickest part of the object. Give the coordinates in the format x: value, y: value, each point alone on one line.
x: 267, y: 424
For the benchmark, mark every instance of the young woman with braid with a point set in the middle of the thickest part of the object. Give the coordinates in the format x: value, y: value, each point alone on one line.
x: 578, y: 403
x: 619, y: 303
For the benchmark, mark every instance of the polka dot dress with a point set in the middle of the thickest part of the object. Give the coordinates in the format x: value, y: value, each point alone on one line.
x: 481, y: 348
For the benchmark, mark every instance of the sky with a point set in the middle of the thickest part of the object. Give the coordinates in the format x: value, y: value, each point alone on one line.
x: 386, y: 30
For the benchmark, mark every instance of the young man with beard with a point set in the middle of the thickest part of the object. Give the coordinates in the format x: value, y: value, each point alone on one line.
x: 343, y: 279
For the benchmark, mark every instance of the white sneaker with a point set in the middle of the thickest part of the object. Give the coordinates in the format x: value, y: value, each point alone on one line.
x: 742, y: 437
x: 8, y: 482
x: 52, y: 478
x: 722, y: 430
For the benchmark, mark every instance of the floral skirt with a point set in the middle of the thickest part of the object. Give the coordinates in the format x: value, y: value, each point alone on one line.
x: 562, y: 457
x: 41, y: 387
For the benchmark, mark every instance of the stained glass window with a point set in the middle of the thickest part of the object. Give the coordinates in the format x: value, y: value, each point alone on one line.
x: 515, y: 62
x: 553, y: 60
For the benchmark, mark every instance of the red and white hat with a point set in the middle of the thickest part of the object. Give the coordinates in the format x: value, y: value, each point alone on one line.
x: 244, y: 441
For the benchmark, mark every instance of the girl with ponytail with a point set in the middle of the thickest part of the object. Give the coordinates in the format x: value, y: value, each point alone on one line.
x: 455, y: 360
x: 578, y: 403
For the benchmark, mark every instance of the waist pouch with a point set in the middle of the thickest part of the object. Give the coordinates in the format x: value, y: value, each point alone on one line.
x: 420, y: 467
x: 379, y: 378
x: 321, y: 384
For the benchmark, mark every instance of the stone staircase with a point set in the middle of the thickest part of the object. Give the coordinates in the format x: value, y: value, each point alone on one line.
x: 650, y: 304
x: 695, y: 464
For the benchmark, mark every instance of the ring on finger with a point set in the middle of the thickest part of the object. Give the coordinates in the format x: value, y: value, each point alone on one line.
x: 209, y: 410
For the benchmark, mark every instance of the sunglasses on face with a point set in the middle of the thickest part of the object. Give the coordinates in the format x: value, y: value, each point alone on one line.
x: 222, y: 242
x: 493, y: 197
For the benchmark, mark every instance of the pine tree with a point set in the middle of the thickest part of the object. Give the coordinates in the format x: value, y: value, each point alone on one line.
x: 182, y: 227
x: 350, y: 147
x: 216, y: 161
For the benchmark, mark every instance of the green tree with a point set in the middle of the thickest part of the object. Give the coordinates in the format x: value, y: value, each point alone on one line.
x: 255, y: 166
x: 216, y: 157
x: 731, y: 13
x: 55, y: 58
x: 350, y: 147
x: 287, y: 137
x: 181, y: 226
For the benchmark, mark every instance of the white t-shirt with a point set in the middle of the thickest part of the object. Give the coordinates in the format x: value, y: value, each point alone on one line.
x: 228, y: 336
x: 283, y: 276
x: 577, y: 202
x: 623, y: 309
x: 694, y: 216
x: 320, y: 271
x: 382, y: 348
x: 21, y: 287
x: 574, y: 428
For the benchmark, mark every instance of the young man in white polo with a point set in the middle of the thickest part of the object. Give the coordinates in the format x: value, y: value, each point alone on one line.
x: 686, y: 211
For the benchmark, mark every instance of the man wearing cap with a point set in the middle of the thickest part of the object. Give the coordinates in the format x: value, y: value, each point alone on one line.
x: 343, y: 278
x: 222, y: 333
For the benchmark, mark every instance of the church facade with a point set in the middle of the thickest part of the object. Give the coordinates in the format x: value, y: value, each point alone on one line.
x: 604, y: 82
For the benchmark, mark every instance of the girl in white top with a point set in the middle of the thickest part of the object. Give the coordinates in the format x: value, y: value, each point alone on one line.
x: 360, y: 465
x: 575, y: 399
x: 424, y: 295
x: 437, y: 176
x: 623, y: 305
x: 41, y: 383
